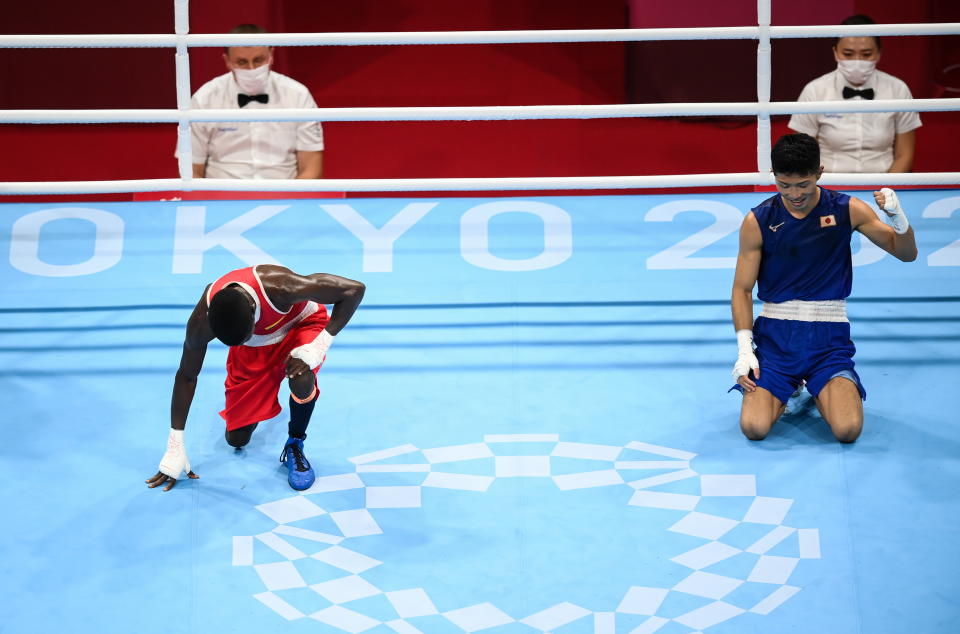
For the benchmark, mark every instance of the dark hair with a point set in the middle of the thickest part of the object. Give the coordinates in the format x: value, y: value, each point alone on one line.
x: 859, y: 19
x: 242, y: 29
x: 796, y: 154
x: 230, y: 316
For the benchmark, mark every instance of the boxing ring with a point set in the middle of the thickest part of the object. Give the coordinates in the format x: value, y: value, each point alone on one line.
x: 525, y: 427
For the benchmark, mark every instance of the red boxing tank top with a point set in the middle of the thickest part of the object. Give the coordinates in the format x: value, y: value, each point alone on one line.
x: 270, y: 325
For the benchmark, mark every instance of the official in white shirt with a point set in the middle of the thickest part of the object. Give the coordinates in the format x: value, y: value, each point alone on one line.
x: 255, y: 149
x: 859, y: 141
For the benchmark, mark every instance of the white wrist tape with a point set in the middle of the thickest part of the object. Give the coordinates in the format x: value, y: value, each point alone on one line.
x: 895, y: 216
x: 175, y: 461
x: 746, y: 359
x: 314, y: 352
x: 744, y: 341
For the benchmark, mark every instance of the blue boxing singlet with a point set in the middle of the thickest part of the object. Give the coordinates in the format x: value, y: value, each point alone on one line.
x: 806, y: 259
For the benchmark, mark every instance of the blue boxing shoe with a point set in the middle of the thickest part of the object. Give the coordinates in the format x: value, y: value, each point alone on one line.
x: 301, y: 474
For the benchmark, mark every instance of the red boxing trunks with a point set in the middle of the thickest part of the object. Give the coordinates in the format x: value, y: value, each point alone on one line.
x: 254, y: 374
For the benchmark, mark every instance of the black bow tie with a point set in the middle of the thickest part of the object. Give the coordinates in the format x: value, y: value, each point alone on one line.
x: 245, y: 99
x: 849, y: 93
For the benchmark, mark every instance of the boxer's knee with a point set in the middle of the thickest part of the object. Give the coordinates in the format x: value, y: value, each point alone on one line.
x: 759, y: 412
x: 755, y: 428
x: 847, y: 431
x: 238, y: 438
x: 303, y: 386
x: 841, y: 406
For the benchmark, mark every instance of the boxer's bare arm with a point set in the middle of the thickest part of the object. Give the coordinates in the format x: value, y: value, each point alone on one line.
x: 195, y: 342
x: 902, y: 246
x: 286, y: 288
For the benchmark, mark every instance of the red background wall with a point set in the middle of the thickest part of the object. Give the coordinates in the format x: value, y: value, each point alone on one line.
x: 518, y: 74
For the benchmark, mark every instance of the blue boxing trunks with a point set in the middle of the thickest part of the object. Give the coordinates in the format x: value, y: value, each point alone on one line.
x: 800, y: 341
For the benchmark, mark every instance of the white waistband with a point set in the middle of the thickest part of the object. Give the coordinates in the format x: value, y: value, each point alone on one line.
x: 800, y: 310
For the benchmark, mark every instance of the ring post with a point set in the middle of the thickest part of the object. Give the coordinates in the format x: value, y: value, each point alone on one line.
x: 763, y: 87
x: 184, y: 148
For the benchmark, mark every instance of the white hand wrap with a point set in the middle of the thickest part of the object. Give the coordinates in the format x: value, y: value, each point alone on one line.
x: 746, y: 359
x: 314, y: 352
x: 895, y: 216
x: 175, y: 461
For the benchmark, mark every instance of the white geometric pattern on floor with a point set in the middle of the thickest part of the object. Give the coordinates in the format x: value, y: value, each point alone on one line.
x: 334, y: 548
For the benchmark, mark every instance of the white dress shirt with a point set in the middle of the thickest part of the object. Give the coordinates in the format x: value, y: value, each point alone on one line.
x: 855, y: 141
x: 253, y: 149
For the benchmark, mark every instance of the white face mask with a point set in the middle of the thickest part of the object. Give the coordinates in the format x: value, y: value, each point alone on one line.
x: 856, y: 71
x: 252, y: 81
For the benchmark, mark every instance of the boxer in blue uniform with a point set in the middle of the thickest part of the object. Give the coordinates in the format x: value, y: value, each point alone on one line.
x: 795, y: 248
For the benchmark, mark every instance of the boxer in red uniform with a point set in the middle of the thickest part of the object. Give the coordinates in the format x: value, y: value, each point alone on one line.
x: 277, y: 327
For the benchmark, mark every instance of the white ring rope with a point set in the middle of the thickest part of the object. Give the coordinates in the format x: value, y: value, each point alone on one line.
x: 469, y: 37
x: 184, y: 115
x: 465, y: 184
x: 478, y: 113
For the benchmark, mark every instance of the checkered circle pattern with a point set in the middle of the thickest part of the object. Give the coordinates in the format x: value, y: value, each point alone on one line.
x: 673, y: 465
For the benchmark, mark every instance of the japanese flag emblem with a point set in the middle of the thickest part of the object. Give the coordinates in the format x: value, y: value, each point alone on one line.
x: 828, y: 221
